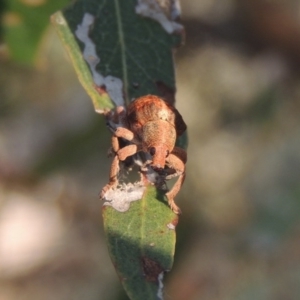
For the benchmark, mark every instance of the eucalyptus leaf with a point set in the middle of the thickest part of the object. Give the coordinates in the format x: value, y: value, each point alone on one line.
x: 141, y: 243
x: 24, y: 24
x: 131, y: 48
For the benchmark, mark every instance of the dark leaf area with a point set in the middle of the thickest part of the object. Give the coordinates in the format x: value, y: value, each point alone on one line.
x: 136, y: 49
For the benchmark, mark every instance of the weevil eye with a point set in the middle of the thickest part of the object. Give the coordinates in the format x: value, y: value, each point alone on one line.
x: 152, y: 151
x: 167, y: 153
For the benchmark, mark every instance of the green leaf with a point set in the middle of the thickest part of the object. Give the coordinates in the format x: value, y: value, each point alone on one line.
x: 183, y: 141
x: 24, y: 24
x: 141, y: 243
x: 134, y: 49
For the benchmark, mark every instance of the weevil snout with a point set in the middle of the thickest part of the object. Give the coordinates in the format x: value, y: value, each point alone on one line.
x: 158, y: 154
x: 157, y: 168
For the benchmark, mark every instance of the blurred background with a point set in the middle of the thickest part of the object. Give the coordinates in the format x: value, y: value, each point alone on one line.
x: 238, y: 90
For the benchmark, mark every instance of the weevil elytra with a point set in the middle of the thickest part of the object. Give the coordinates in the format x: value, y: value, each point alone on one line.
x: 152, y: 126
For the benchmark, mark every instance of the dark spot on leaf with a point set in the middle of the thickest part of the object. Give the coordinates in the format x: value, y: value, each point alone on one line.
x: 151, y: 269
x: 101, y: 89
x: 166, y: 92
x: 175, y: 221
x: 136, y: 85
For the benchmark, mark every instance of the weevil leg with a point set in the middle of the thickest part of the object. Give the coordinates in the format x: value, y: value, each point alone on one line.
x: 176, y: 161
x: 120, y: 155
x: 115, y: 146
x: 173, y: 192
x: 113, y: 176
x: 114, y: 169
x: 129, y: 150
x: 124, y: 133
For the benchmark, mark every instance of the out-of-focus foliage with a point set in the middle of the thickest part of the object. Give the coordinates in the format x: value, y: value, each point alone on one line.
x: 24, y: 23
x: 238, y: 89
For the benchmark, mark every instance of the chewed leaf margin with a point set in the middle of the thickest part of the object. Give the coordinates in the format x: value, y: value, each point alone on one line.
x: 100, y: 101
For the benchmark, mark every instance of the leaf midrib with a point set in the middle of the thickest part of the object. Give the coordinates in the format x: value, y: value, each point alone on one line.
x: 143, y: 232
x: 123, y: 49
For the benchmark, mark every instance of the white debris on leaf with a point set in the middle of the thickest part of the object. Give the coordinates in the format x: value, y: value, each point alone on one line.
x: 121, y: 197
x: 159, y: 294
x: 113, y: 85
x: 164, y: 12
x: 171, y: 226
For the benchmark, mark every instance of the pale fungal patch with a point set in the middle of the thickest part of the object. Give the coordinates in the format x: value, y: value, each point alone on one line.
x: 166, y: 16
x: 121, y: 197
x: 171, y: 226
x: 113, y: 85
x: 159, y: 294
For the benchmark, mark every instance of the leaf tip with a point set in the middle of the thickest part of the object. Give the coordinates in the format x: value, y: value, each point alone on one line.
x: 57, y: 18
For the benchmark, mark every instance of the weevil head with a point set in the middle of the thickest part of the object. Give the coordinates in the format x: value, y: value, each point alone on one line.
x: 158, y: 139
x: 159, y: 154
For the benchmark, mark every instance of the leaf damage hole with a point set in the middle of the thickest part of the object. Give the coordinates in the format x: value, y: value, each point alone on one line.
x: 110, y: 84
x: 160, y: 286
x: 164, y: 12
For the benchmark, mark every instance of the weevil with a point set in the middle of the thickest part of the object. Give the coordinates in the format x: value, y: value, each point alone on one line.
x: 152, y: 126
